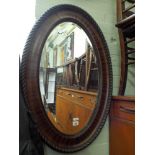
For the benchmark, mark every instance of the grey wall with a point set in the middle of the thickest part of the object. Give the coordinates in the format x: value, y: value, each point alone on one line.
x: 104, y: 13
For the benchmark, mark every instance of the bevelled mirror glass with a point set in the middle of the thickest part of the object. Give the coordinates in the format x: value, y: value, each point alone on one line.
x: 66, y: 78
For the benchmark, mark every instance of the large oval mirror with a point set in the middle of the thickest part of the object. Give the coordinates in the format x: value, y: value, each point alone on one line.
x: 66, y: 78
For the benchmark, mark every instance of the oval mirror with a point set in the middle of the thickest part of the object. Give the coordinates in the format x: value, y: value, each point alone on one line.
x: 66, y: 78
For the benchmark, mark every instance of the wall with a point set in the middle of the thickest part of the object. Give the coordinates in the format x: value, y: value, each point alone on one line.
x: 104, y: 12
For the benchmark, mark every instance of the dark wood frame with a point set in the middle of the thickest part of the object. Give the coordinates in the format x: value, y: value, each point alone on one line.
x: 29, y: 78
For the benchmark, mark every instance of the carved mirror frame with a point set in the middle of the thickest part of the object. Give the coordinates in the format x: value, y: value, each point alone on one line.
x: 29, y: 78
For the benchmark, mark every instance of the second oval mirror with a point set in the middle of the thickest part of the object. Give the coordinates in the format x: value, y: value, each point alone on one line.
x: 68, y: 78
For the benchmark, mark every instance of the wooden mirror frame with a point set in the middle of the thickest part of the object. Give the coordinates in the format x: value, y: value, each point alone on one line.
x: 29, y: 78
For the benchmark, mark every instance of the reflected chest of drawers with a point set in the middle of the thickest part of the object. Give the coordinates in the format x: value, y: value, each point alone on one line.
x: 74, y: 109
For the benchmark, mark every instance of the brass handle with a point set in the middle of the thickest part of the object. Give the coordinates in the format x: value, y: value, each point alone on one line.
x: 127, y: 110
x: 68, y: 94
x: 80, y: 97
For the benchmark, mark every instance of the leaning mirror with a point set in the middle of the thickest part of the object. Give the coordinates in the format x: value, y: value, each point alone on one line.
x: 66, y: 78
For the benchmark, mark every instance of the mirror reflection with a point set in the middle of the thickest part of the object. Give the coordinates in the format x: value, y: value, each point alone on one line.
x: 68, y: 78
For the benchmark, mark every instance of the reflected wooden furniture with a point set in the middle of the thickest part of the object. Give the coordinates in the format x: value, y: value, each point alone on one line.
x: 79, y: 73
x: 126, y: 30
x: 73, y: 109
x: 122, y: 126
x: 75, y: 93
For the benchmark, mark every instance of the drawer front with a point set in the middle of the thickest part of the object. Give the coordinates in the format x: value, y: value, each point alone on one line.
x: 67, y: 111
x: 60, y: 92
x: 123, y: 110
x: 79, y: 98
x: 85, y: 99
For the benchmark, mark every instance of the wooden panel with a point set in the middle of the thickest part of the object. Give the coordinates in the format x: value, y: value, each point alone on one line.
x: 74, y: 109
x: 123, y: 109
x: 82, y: 115
x: 85, y: 98
x: 122, y: 137
x: 68, y: 113
x: 63, y: 109
x: 122, y: 126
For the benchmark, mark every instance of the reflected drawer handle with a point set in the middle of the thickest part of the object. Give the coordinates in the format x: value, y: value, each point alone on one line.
x: 127, y: 110
x: 68, y: 94
x: 80, y: 97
